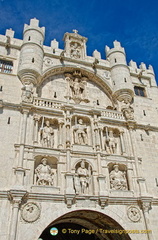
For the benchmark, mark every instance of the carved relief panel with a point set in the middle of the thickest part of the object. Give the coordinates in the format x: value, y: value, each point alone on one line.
x: 83, y: 181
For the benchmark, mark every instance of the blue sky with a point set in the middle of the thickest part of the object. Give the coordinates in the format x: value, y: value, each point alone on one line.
x: 133, y: 23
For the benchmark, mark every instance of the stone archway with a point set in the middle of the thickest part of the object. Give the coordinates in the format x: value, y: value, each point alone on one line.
x: 85, y: 224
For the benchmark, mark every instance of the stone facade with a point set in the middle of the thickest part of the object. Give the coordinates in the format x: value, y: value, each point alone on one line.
x: 79, y: 136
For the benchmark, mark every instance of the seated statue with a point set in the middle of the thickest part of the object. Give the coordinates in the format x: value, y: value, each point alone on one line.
x: 118, y: 179
x: 44, y: 173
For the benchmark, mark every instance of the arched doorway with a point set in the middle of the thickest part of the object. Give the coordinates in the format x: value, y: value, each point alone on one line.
x: 85, y: 224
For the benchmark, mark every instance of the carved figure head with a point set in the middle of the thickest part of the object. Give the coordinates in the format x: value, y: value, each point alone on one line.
x: 80, y: 121
x: 83, y: 164
x: 47, y: 123
x: 44, y: 161
x: 116, y: 167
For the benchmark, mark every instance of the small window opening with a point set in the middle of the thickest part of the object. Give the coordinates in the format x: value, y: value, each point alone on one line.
x: 55, y: 95
x: 40, y: 42
x: 141, y: 137
x: 33, y: 60
x: 98, y: 102
x: 113, y: 82
x: 1, y: 88
x: 29, y: 38
x: 144, y: 112
x: 125, y: 79
x: 115, y: 60
x: 8, y: 120
x: 139, y: 91
x: 53, y: 50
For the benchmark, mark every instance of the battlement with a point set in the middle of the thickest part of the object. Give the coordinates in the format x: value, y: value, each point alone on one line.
x: 34, y: 24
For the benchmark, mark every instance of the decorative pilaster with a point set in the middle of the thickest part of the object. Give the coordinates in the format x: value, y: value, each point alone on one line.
x: 16, y: 198
x: 60, y: 137
x: 122, y: 142
x: 36, y: 118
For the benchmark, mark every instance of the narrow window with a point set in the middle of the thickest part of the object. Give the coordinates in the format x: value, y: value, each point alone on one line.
x: 53, y: 50
x: 55, y: 95
x: 144, y: 112
x: 33, y: 60
x: 125, y: 79
x: 141, y: 137
x: 1, y: 88
x: 113, y: 82
x: 29, y: 38
x: 8, y: 120
x: 97, y: 102
x: 115, y: 60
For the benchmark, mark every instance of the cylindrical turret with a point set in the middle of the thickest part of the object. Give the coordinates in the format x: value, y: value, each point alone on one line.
x: 122, y: 85
x: 31, y: 55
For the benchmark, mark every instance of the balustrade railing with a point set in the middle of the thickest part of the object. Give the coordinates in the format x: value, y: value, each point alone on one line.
x: 40, y: 102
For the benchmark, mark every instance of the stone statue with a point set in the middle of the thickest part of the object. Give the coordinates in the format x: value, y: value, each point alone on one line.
x: 44, y: 174
x: 77, y: 88
x: 127, y: 110
x: 75, y: 50
x: 80, y: 133
x: 27, y: 94
x: 82, y: 179
x: 118, y: 179
x: 110, y: 142
x: 47, y: 135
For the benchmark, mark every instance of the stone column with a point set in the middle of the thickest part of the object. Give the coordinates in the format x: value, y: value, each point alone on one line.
x: 101, y: 139
x: 20, y: 171
x: 60, y: 136
x: 130, y: 175
x: 122, y: 142
x: 16, y: 198
x: 68, y: 78
x: 146, y: 206
x: 68, y: 141
x: 36, y: 119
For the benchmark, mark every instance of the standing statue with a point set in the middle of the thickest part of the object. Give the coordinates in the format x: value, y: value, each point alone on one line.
x: 44, y: 173
x: 75, y: 50
x: 118, y: 179
x: 82, y: 179
x: 47, y: 135
x: 110, y: 142
x: 77, y: 88
x: 80, y: 133
x: 27, y: 94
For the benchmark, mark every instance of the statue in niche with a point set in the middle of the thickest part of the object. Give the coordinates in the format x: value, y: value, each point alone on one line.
x: 75, y: 50
x: 127, y: 110
x: 27, y: 94
x: 110, y: 142
x: 47, y: 135
x: 80, y: 133
x: 82, y: 178
x: 118, y: 179
x: 77, y: 85
x: 44, y: 174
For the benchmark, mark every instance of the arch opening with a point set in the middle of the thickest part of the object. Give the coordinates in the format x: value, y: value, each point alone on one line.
x: 84, y: 224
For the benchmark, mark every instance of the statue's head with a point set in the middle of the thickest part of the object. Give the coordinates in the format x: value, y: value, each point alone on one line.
x: 47, y: 123
x: 80, y: 121
x: 116, y: 167
x: 83, y: 164
x: 44, y: 161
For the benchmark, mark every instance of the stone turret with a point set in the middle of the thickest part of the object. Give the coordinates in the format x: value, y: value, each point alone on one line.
x: 122, y: 85
x: 31, y: 55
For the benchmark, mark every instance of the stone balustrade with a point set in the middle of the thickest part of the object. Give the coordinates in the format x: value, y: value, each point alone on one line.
x: 112, y: 114
x: 47, y: 103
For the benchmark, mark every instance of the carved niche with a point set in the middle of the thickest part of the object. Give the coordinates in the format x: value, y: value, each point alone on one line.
x: 45, y: 171
x: 118, y: 177
x: 81, y: 130
x: 83, y: 181
x: 27, y: 92
x: 77, y: 86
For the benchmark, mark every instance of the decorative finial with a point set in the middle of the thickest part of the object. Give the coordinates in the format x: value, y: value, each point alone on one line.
x: 75, y: 31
